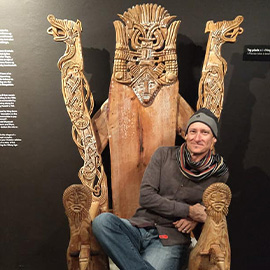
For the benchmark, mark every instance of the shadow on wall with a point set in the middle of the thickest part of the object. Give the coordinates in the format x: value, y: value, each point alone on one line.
x: 249, y: 215
x: 190, y: 59
x: 97, y: 64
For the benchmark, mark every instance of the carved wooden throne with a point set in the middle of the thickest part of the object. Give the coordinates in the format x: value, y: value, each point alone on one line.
x: 144, y: 111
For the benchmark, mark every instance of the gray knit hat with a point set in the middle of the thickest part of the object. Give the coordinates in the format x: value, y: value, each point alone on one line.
x: 205, y: 116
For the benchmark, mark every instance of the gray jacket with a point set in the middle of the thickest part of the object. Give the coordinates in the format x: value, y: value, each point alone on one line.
x: 166, y: 195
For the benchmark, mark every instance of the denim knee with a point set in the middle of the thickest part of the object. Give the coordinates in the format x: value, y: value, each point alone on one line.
x: 101, y: 222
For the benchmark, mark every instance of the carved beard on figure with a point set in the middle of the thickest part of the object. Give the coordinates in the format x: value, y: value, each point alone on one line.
x: 77, y: 202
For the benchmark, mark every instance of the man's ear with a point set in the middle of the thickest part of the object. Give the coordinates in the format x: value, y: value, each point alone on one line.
x: 213, y: 144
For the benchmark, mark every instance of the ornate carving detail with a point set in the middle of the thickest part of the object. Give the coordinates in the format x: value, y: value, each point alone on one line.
x: 212, y: 251
x: 145, y: 55
x: 217, y: 199
x: 83, y: 248
x: 77, y: 203
x: 211, y: 86
x: 77, y: 94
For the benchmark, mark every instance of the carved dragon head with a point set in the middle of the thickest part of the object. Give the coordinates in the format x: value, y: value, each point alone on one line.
x: 226, y: 30
x: 68, y: 32
x: 64, y: 30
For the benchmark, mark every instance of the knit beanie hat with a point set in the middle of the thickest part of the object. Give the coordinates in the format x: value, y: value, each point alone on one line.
x: 205, y: 116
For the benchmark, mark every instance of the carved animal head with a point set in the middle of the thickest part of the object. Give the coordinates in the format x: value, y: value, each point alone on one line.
x: 226, y: 30
x: 145, y: 56
x: 77, y: 202
x: 216, y: 199
x: 64, y: 30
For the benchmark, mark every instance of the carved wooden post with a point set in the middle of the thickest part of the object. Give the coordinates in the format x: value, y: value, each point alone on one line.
x: 212, y: 250
x: 76, y: 93
x: 211, y: 86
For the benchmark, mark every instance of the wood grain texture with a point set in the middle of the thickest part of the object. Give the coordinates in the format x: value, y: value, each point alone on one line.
x: 135, y: 132
x: 99, y: 122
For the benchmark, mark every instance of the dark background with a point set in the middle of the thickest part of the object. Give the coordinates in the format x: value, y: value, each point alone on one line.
x: 34, y: 231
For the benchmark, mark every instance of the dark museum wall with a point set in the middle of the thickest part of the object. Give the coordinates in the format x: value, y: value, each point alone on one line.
x: 34, y: 231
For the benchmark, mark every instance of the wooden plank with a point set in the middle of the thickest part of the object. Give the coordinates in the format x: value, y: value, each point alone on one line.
x: 184, y: 112
x: 135, y: 132
x: 99, y: 122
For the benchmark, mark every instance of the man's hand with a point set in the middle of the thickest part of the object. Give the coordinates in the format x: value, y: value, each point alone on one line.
x: 197, y: 212
x: 185, y: 225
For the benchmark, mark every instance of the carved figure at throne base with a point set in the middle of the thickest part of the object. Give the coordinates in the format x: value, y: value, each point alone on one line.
x: 83, y: 251
x: 212, y: 251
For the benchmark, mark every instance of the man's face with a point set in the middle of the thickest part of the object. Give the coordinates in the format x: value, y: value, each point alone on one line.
x: 199, y: 140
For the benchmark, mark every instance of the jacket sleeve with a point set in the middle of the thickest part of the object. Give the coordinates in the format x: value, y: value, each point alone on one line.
x: 149, y: 193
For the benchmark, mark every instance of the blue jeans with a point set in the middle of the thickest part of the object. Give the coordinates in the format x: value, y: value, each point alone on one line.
x: 133, y: 248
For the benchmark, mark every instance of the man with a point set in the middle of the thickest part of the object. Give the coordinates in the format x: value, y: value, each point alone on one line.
x: 157, y: 236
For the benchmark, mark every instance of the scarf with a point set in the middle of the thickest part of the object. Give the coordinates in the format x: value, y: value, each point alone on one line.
x: 210, y: 165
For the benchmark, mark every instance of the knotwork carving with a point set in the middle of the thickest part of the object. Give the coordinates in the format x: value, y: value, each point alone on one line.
x: 212, y: 251
x: 77, y: 94
x: 211, y: 86
x: 145, y: 55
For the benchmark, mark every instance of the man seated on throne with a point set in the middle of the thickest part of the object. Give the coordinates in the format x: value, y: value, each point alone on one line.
x: 158, y: 235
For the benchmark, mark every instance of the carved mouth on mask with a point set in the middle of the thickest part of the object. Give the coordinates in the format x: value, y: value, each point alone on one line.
x: 218, y: 206
x: 76, y: 208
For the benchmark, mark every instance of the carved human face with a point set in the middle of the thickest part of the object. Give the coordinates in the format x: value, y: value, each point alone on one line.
x: 218, y: 200
x: 77, y: 201
x: 146, y: 89
x: 200, y: 140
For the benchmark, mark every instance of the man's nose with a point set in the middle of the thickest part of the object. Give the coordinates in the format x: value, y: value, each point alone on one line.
x: 197, y: 136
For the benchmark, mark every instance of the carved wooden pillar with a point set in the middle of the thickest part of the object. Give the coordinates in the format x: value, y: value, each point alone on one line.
x: 211, y: 86
x: 76, y: 92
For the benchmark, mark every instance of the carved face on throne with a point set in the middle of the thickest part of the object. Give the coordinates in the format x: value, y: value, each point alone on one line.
x: 145, y: 88
x: 77, y: 202
x: 216, y: 199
